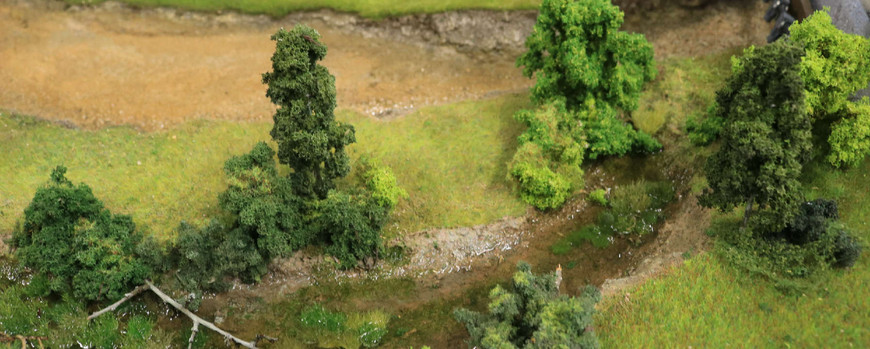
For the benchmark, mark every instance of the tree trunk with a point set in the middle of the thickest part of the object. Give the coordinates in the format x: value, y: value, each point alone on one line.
x: 748, y: 211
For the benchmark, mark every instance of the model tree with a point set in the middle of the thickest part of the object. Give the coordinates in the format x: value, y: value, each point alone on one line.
x: 74, y: 245
x: 533, y: 315
x: 578, y: 53
x: 836, y: 66
x: 309, y: 138
x: 586, y: 71
x: 766, y: 138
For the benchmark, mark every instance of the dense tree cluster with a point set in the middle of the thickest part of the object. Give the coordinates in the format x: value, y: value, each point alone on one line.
x: 766, y: 137
x: 275, y: 215
x: 533, y: 315
x: 834, y: 66
x: 586, y: 70
x: 74, y: 245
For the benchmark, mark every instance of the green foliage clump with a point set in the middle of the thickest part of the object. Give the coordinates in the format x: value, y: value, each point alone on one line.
x: 598, y: 196
x: 309, y: 138
x: 75, y: 245
x: 207, y: 256
x: 609, y: 136
x: 703, y: 131
x: 266, y: 205
x: 532, y: 315
x: 578, y: 53
x: 766, y: 137
x: 812, y: 242
x: 335, y: 329
x: 350, y: 225
x: 850, y: 135
x: 585, y: 70
x: 381, y: 183
x: 836, y: 66
x: 636, y: 208
x: 547, y: 164
x: 540, y: 187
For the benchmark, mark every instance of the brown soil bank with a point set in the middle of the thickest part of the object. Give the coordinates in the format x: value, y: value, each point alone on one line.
x: 115, y: 65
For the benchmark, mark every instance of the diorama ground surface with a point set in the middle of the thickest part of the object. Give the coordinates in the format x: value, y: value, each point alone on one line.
x: 145, y: 105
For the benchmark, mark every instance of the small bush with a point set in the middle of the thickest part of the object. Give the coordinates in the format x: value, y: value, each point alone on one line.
x: 540, y: 187
x: 598, y: 196
x: 704, y: 130
x: 847, y: 249
x: 532, y: 314
x: 75, y: 245
x: 350, y: 225
x: 382, y: 184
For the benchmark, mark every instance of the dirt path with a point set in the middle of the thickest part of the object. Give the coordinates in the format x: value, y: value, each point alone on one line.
x: 113, y: 65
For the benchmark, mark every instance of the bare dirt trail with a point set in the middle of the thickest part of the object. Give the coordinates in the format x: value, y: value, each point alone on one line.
x: 153, y: 69
x: 115, y: 65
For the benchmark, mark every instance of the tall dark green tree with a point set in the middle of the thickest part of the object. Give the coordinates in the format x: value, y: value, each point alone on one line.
x: 766, y: 138
x: 309, y: 138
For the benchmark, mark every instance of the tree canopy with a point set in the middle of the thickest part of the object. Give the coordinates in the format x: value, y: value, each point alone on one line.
x: 766, y: 138
x: 309, y: 138
x: 836, y: 66
x: 75, y: 245
x: 578, y: 53
x: 533, y: 315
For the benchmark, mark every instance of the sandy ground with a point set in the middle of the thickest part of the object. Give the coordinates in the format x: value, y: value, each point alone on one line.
x: 152, y: 69
x: 96, y: 68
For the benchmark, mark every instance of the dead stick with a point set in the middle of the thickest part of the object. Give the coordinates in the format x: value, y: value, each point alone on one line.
x: 193, y: 332
x: 114, y: 306
x: 168, y: 300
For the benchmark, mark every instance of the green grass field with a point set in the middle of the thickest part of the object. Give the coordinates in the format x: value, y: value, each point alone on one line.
x: 450, y: 159
x: 365, y: 8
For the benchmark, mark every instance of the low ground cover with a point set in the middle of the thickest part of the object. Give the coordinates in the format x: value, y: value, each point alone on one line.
x: 367, y: 8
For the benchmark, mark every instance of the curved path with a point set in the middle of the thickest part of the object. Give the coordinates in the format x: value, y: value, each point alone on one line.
x: 113, y: 65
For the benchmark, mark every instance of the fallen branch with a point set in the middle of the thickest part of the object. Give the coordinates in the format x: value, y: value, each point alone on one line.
x: 11, y: 339
x: 193, y: 317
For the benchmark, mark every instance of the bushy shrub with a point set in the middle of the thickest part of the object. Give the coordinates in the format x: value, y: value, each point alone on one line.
x: 540, y: 187
x: 704, y: 130
x: 598, y: 196
x: 847, y: 248
x: 351, y: 226
x: 266, y: 204
x: 532, y: 315
x: 207, y: 256
x: 577, y: 52
x: 850, y: 135
x: 381, y: 183
x: 70, y: 240
x: 609, y: 136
